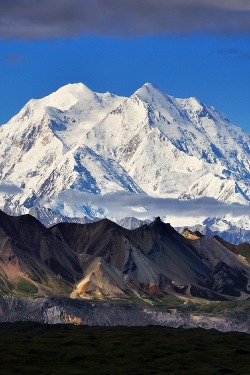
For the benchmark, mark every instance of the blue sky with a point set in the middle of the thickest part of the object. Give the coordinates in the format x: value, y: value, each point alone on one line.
x: 210, y: 62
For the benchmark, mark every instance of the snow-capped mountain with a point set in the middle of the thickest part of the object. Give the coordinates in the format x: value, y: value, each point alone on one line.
x: 132, y: 222
x: 49, y: 217
x: 76, y: 140
x: 230, y: 230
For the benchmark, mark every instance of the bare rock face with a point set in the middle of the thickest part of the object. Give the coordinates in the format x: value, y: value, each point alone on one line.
x: 152, y: 261
x: 32, y: 258
x: 187, y: 233
x: 81, y: 312
x: 242, y: 250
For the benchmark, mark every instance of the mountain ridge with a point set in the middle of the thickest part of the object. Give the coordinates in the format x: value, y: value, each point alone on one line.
x: 103, y: 260
x: 150, y: 143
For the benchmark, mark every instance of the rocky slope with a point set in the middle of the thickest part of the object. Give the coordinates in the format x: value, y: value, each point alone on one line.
x: 242, y: 250
x: 104, y: 260
x: 33, y: 260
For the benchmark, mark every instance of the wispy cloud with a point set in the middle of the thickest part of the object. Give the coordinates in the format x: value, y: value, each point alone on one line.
x: 228, y: 51
x: 123, y: 204
x: 9, y: 188
x: 30, y: 19
x: 13, y: 59
x: 234, y: 52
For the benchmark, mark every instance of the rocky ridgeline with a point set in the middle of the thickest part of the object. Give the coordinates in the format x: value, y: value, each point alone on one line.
x: 103, y: 260
x: 65, y: 310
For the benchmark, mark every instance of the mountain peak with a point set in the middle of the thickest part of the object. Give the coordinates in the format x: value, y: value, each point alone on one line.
x: 74, y: 87
x: 152, y: 95
x: 153, y: 143
x: 158, y: 220
x: 148, y: 88
x: 68, y: 96
x: 159, y: 226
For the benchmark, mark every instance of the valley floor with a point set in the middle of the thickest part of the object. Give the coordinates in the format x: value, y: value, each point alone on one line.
x: 33, y: 348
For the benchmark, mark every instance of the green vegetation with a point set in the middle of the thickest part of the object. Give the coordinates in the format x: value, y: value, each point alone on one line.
x: 58, y: 287
x: 201, y: 307
x: 216, y: 308
x: 25, y: 287
x: 198, y: 307
x: 31, y: 348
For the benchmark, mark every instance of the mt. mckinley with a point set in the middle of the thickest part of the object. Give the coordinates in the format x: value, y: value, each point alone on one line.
x: 76, y: 140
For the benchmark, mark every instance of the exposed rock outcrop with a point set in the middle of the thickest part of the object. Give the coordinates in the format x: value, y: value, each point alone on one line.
x: 65, y: 310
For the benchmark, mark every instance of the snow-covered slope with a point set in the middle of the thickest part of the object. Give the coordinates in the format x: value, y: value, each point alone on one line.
x: 152, y: 143
x: 132, y: 222
x: 176, y: 147
x: 49, y: 218
x: 43, y: 148
x: 235, y: 231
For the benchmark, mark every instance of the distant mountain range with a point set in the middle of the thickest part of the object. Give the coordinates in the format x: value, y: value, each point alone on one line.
x: 104, y: 260
x: 76, y: 141
x: 221, y: 227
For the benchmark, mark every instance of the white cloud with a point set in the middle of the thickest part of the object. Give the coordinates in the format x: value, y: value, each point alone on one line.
x: 121, y: 204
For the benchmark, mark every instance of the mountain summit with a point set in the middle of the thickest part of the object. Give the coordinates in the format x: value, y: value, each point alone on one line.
x: 77, y: 140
